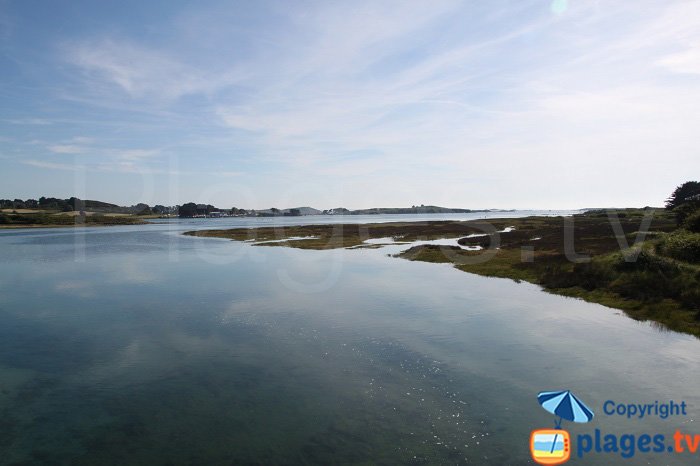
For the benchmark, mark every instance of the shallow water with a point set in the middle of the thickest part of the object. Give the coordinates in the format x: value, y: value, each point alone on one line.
x: 137, y: 345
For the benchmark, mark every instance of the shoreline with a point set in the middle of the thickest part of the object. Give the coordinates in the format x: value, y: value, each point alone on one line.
x: 44, y: 219
x: 76, y: 225
x: 64, y: 225
x: 533, y: 251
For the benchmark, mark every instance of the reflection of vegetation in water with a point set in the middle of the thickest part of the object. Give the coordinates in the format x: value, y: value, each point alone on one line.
x: 642, y: 281
x: 658, y: 279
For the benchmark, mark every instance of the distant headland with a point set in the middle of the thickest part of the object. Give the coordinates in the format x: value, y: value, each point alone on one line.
x: 51, y: 211
x: 201, y: 210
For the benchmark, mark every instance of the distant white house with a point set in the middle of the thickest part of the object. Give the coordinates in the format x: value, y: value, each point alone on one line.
x: 214, y: 214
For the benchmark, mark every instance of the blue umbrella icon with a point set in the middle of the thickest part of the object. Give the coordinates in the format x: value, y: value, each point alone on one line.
x: 565, y: 405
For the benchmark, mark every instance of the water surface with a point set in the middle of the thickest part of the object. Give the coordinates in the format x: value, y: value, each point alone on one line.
x: 137, y: 345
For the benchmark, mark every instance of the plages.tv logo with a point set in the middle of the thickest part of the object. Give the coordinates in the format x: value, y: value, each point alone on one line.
x: 553, y: 446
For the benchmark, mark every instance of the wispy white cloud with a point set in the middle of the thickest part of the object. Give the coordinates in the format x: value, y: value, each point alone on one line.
x: 28, y: 121
x: 67, y: 149
x: 106, y: 167
x: 49, y: 165
x: 125, y: 166
x: 91, y: 147
x: 89, y: 154
x: 226, y: 174
x: 667, y: 36
x: 133, y: 154
x: 400, y: 94
x: 144, y: 72
x: 687, y: 61
x: 442, y: 96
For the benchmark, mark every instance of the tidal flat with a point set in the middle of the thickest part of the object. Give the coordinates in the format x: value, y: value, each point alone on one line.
x: 607, y: 257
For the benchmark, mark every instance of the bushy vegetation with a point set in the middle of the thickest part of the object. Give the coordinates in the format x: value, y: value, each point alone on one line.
x: 649, y: 279
x: 683, y: 245
x: 692, y: 222
x: 42, y: 219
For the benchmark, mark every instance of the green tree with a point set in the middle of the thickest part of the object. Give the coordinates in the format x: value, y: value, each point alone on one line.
x: 188, y: 210
x: 688, y: 192
x: 685, y: 200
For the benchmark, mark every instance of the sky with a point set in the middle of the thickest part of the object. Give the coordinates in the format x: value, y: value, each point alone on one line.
x: 498, y: 104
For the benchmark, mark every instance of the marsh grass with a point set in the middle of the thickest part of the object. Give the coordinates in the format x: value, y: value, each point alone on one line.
x: 48, y: 219
x: 639, y: 279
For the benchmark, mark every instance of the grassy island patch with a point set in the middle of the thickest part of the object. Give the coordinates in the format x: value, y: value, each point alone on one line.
x: 599, y: 256
x: 46, y: 219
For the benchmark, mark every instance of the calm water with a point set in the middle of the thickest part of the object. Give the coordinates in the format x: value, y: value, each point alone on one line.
x: 137, y: 345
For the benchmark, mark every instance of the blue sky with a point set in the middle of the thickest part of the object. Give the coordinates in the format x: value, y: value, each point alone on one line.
x: 520, y: 104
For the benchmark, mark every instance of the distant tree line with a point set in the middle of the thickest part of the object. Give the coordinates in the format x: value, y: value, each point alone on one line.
x: 192, y: 209
x: 189, y: 209
x: 75, y: 204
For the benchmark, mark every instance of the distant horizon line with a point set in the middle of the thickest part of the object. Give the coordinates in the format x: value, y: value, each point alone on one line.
x: 348, y: 208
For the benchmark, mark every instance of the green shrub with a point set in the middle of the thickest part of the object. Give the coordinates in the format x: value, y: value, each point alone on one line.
x: 682, y: 245
x: 643, y: 285
x: 684, y: 211
x: 645, y: 261
x: 692, y: 222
